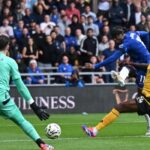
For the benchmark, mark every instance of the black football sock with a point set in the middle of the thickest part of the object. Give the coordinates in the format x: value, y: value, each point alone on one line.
x: 39, y: 142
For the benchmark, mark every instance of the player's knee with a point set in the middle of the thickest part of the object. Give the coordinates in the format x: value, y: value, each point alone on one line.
x: 120, y: 107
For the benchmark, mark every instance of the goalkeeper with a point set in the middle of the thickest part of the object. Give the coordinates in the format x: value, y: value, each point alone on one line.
x: 8, y: 108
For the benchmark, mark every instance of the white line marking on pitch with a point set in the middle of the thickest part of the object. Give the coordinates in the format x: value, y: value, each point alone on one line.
x: 79, y: 123
x: 75, y: 138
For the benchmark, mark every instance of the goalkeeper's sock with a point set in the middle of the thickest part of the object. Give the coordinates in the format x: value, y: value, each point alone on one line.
x: 109, y: 118
x: 39, y: 142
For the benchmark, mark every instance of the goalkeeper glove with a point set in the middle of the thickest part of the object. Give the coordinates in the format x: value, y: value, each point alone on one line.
x: 40, y: 111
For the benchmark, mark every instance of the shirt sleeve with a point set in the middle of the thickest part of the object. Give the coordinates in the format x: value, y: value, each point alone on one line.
x: 16, y: 77
x: 144, y: 37
x: 23, y: 90
x: 110, y: 59
x: 14, y: 70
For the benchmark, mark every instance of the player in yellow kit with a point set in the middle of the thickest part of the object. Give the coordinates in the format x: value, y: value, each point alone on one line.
x: 141, y: 104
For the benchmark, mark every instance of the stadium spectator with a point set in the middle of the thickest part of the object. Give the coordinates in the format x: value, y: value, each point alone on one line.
x: 74, y: 80
x: 6, y: 28
x: 32, y: 27
x: 50, y: 4
x: 83, y: 20
x: 116, y: 14
x: 59, y: 41
x: 89, y: 46
x: 69, y: 39
x: 11, y: 20
x: 97, y: 78
x: 18, y: 30
x: 28, y: 17
x: 80, y: 4
x: 14, y: 49
x: 38, y: 37
x: 128, y: 9
x: 4, y: 14
x: 55, y: 16
x: 72, y: 10
x: 64, y: 67
x: 63, y: 5
x: 30, y: 3
x: 132, y: 28
x: 39, y: 14
x: 63, y: 24
x: 136, y: 16
x: 106, y: 54
x: 106, y: 31
x: 73, y: 56
x: 75, y: 24
x: 103, y: 7
x: 34, y: 79
x: 145, y: 7
x: 90, y: 24
x: 47, y: 52
x: 60, y: 38
x: 88, y: 13
x: 79, y: 36
x: 42, y: 2
x: 29, y: 51
x: 18, y: 13
x: 104, y: 44
x: 99, y: 21
x: 148, y: 26
x: 24, y: 39
x: 47, y: 26
x: 142, y: 25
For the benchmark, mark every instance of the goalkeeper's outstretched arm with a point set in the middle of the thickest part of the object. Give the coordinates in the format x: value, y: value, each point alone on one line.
x: 24, y: 92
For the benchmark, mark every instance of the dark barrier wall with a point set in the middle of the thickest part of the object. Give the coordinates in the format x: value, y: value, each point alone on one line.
x: 91, y: 99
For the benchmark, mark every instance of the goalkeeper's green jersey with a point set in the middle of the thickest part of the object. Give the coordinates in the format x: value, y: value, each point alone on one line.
x: 9, y: 70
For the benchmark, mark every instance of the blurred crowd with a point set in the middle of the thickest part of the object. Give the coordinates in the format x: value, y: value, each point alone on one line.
x: 46, y: 32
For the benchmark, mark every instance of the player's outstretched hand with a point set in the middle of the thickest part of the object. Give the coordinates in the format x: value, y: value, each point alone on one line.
x: 89, y: 66
x: 40, y: 111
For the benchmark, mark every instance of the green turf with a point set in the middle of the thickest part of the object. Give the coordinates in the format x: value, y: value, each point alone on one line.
x: 127, y: 133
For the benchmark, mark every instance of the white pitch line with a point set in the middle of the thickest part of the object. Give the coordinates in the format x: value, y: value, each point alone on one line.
x: 75, y: 138
x: 79, y: 123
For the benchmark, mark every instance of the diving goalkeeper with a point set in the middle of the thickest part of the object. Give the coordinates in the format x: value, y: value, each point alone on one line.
x: 8, y: 109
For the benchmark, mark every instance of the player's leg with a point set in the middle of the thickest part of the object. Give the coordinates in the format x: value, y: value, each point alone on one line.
x: 121, y: 76
x: 147, y: 117
x: 11, y: 111
x: 117, y: 97
x: 123, y: 107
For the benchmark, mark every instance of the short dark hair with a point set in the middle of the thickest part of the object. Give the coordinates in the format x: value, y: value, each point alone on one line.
x: 90, y: 29
x: 117, y: 31
x: 4, y: 41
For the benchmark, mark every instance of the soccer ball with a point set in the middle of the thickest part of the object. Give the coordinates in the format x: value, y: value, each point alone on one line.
x: 53, y: 130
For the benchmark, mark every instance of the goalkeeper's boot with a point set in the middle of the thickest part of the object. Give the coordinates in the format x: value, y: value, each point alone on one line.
x: 115, y: 75
x: 91, y: 131
x: 46, y: 147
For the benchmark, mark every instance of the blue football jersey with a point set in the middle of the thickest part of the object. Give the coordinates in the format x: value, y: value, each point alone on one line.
x: 135, y: 47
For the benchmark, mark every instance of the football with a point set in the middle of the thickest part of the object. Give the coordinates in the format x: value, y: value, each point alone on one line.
x: 53, y: 130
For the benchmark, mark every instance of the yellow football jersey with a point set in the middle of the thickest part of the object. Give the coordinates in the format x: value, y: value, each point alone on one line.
x: 146, y: 88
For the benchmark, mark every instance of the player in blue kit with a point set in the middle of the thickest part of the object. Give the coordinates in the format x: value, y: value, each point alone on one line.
x: 135, y: 44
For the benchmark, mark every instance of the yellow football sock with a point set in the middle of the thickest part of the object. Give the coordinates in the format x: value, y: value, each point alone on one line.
x: 109, y: 118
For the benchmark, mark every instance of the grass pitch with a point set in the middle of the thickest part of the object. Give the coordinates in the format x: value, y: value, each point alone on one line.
x: 127, y: 133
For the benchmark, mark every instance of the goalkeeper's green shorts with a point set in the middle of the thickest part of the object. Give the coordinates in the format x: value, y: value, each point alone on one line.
x: 8, y: 109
